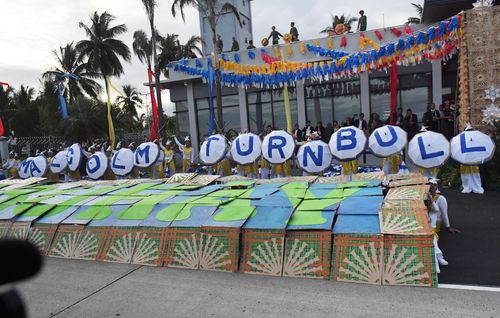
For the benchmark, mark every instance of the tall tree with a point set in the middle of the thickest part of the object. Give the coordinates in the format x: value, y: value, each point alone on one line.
x: 143, y: 48
x: 71, y: 61
x: 102, y: 49
x: 420, y: 11
x: 129, y: 101
x: 150, y: 6
x: 213, y: 10
x: 171, y: 49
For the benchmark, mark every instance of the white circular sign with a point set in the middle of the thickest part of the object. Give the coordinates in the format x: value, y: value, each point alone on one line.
x: 97, y: 165
x: 387, y: 140
x: 59, y: 162
x: 213, y: 149
x: 146, y: 154
x: 75, y: 157
x: 278, y: 146
x: 347, y: 143
x: 314, y: 156
x: 122, y: 162
x: 39, y: 166
x: 24, y: 169
x: 472, y: 147
x: 428, y: 149
x: 246, y: 148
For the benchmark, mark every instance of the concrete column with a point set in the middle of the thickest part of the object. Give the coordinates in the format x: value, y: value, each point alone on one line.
x: 193, y: 125
x: 437, y: 83
x: 242, y: 98
x: 301, y: 104
x: 364, y: 83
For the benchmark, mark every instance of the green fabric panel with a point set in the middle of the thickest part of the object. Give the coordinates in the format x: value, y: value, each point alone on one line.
x: 350, y: 191
x: 354, y: 184
x: 228, y: 193
x: 39, y: 209
x: 233, y: 213
x: 186, y: 187
x: 334, y: 193
x: 184, y: 214
x: 295, y: 193
x: 21, y: 208
x: 212, y: 201
x: 241, y: 183
x: 170, y: 213
x: 301, y: 218
x: 316, y: 205
x: 137, y: 188
x: 141, y: 209
x: 296, y: 185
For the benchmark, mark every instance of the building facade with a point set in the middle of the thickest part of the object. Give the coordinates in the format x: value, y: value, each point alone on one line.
x: 252, y: 109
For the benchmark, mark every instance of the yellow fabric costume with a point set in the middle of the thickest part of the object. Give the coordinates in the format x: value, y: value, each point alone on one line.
x: 469, y: 169
x: 433, y: 171
x: 186, y: 158
x: 223, y: 167
x: 169, y: 160
x: 74, y: 175
x: 350, y: 167
x: 394, y: 161
x: 52, y: 177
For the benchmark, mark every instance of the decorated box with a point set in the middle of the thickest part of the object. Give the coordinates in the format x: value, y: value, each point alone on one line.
x: 308, y: 244
x: 357, y: 249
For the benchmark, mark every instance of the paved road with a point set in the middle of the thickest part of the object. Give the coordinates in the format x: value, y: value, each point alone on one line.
x: 474, y: 254
x: 70, y: 288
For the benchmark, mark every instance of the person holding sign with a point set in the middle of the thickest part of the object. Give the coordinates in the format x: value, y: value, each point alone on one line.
x: 169, y: 158
x: 135, y: 173
x: 51, y: 176
x: 471, y: 148
x: 390, y: 165
x: 187, y: 153
x: 11, y: 165
x: 109, y: 175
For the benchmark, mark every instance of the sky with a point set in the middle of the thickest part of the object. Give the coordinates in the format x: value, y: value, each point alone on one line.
x: 30, y: 30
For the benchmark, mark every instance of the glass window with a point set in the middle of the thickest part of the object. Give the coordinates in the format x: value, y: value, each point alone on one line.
x: 259, y: 116
x: 417, y: 99
x: 181, y: 106
x: 380, y: 96
x: 258, y: 97
x: 232, y: 120
x: 345, y: 106
x: 319, y: 109
x: 202, y: 103
x: 230, y: 100
x: 182, y: 123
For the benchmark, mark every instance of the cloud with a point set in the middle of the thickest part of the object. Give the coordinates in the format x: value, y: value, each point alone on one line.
x: 31, y: 29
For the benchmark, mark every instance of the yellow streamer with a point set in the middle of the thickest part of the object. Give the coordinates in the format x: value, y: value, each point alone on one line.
x: 289, y: 50
x: 110, y: 119
x: 302, y: 48
x: 276, y: 52
x: 330, y: 43
x: 116, y: 89
x: 286, y: 97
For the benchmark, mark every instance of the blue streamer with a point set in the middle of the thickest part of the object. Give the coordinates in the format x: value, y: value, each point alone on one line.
x: 62, y: 101
x: 210, y: 74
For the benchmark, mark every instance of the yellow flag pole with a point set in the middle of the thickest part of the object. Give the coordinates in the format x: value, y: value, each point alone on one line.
x: 286, y: 97
x: 110, y: 119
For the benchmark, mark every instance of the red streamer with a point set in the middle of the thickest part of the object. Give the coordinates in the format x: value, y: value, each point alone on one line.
x: 378, y: 35
x: 397, y: 32
x: 154, y: 126
x: 268, y: 59
x: 394, y: 91
x: 2, y: 129
x: 408, y: 30
x: 343, y: 42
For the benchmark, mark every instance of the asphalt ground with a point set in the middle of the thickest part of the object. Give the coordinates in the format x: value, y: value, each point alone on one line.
x: 74, y: 288
x: 473, y: 254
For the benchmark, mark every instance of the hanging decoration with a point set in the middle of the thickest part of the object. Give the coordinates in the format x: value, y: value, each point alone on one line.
x: 111, y: 127
x: 397, y: 32
x: 438, y: 42
x: 236, y: 57
x: 264, y: 42
x: 491, y: 114
x: 343, y: 42
x: 211, y: 77
x: 408, y: 30
x: 302, y: 47
x: 289, y: 50
x: 62, y: 101
x: 394, y: 92
x: 378, y: 35
x: 154, y: 107
x: 251, y: 55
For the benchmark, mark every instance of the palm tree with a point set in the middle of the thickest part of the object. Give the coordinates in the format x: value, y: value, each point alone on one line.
x: 142, y: 47
x: 420, y: 10
x: 172, y: 50
x: 102, y: 49
x: 70, y: 61
x: 345, y: 19
x: 150, y: 6
x: 24, y: 96
x: 129, y: 101
x: 213, y: 10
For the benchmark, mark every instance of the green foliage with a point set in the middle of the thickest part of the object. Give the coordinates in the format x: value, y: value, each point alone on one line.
x: 449, y: 175
x: 490, y: 172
